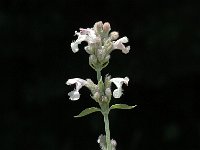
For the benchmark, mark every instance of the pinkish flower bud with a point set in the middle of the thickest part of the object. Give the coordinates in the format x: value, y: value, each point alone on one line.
x: 106, y: 27
x: 114, y: 35
x: 98, y: 26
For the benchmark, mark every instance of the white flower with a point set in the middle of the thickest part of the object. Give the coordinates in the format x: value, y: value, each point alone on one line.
x: 113, y: 144
x: 119, y: 45
x: 117, y: 93
x: 87, y: 35
x: 75, y: 95
x: 102, y: 142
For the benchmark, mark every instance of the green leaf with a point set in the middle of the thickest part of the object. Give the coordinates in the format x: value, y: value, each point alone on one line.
x: 88, y: 111
x: 121, y: 106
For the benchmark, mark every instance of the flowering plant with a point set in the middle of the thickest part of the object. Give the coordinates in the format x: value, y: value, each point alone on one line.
x: 101, y: 42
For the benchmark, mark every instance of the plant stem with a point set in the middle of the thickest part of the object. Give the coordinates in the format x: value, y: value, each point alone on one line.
x: 107, y: 130
x: 105, y: 113
x: 98, y: 74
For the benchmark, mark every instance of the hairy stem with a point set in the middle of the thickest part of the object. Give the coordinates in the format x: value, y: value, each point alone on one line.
x: 105, y: 112
x: 107, y: 130
x: 98, y: 74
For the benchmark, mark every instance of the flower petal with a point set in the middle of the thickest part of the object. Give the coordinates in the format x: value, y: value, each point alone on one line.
x: 87, y: 35
x: 81, y: 38
x: 74, y: 47
x: 117, y: 93
x: 75, y: 95
x: 119, y: 45
x: 126, y: 80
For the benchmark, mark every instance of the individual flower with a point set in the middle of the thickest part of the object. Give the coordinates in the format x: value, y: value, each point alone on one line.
x: 119, y: 45
x: 117, y: 93
x: 102, y: 142
x: 75, y: 95
x: 113, y: 144
x: 87, y: 35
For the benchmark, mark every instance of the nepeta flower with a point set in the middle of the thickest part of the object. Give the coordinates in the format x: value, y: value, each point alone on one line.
x: 102, y: 142
x: 119, y: 45
x: 117, y: 93
x: 75, y: 95
x: 87, y: 35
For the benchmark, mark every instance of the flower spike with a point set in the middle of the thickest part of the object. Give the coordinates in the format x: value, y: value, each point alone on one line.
x: 100, y: 44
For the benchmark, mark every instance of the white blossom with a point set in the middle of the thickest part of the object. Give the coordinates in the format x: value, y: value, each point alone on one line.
x: 117, y: 93
x: 75, y: 95
x: 102, y: 142
x: 119, y: 45
x: 87, y: 35
x: 113, y: 144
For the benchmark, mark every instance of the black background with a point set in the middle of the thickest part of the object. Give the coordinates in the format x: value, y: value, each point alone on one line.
x: 163, y: 67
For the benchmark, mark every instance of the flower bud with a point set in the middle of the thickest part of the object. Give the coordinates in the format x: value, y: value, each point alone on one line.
x: 98, y: 27
x: 108, y: 45
x: 96, y: 96
x: 104, y: 99
x: 106, y: 59
x: 108, y: 93
x: 106, y: 27
x: 100, y: 54
x: 114, y: 35
x: 107, y: 81
x: 93, y: 60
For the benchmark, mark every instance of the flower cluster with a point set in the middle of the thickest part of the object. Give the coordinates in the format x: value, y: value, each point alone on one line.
x: 100, y: 92
x: 100, y: 44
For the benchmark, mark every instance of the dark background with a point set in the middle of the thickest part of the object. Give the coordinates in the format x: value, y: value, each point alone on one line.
x: 163, y: 67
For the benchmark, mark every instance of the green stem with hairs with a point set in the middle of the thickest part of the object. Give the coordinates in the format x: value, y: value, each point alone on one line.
x: 107, y: 130
x: 98, y: 74
x: 105, y: 112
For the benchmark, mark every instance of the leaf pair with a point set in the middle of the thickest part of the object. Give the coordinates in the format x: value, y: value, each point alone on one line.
x: 90, y: 110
